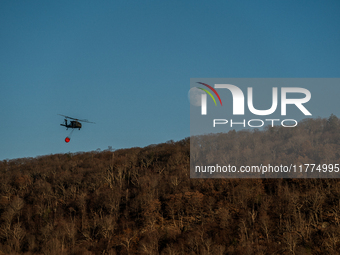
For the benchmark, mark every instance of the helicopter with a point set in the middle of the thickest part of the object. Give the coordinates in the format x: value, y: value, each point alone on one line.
x: 74, y: 123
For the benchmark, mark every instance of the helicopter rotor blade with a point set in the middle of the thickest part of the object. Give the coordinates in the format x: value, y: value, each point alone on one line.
x: 68, y: 117
x: 85, y: 120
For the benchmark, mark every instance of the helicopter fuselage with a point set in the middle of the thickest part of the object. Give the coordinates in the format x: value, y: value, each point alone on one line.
x: 72, y: 124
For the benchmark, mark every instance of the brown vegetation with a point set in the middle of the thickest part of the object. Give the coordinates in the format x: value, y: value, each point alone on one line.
x: 142, y: 201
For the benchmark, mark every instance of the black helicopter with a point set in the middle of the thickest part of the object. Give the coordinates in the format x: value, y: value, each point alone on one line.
x: 74, y: 123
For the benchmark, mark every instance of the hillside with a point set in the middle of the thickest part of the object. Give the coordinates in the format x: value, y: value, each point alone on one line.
x: 142, y: 200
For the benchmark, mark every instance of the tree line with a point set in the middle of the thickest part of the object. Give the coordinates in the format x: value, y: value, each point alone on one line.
x: 143, y: 201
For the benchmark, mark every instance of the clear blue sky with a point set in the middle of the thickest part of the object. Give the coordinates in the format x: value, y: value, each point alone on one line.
x: 126, y: 65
